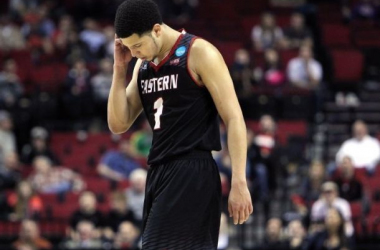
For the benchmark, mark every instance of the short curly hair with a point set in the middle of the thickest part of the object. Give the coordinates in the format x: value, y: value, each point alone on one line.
x: 136, y: 17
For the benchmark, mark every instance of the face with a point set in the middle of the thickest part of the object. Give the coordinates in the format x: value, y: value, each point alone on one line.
x: 274, y: 228
x: 296, y: 229
x: 360, y: 130
x: 305, y: 52
x: 41, y: 165
x: 11, y: 161
x: 127, y: 231
x: 271, y: 56
x: 297, y: 21
x: 330, y: 195
x: 317, y: 171
x: 87, y: 202
x: 268, y: 20
x: 347, y: 167
x: 119, y: 205
x: 145, y: 47
x: 25, y: 189
x: 85, y: 230
x: 124, y: 147
x: 333, y: 219
x: 29, y: 230
x: 267, y: 123
x: 242, y: 56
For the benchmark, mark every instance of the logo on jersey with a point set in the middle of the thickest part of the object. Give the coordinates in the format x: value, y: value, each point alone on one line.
x: 174, y: 61
x: 180, y: 51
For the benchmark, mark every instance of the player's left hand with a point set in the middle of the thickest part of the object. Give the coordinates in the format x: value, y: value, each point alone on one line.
x: 239, y: 202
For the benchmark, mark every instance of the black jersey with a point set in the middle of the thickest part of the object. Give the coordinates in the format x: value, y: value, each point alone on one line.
x: 181, y: 113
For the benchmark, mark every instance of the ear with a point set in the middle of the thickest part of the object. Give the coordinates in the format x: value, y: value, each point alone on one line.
x: 157, y: 30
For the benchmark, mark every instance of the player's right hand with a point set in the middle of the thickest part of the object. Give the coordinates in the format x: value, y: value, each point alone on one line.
x: 122, y: 55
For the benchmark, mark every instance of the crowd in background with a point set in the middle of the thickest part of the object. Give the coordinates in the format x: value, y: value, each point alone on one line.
x: 80, y: 35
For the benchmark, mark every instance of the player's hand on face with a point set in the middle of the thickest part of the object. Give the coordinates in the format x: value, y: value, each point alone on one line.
x: 122, y: 55
x: 239, y: 203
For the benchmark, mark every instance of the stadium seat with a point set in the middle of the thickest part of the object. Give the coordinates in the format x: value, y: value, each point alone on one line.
x: 348, y: 65
x: 336, y: 35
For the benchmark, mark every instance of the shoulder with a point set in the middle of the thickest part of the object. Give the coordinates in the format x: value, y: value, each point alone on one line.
x: 203, y: 52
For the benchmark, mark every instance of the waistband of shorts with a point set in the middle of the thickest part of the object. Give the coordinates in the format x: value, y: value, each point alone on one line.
x: 194, y: 154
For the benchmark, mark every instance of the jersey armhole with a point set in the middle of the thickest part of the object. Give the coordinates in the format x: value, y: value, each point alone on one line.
x: 187, y: 63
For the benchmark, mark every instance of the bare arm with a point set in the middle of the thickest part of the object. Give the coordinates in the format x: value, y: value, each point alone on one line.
x: 124, y: 105
x: 105, y: 171
x: 214, y: 74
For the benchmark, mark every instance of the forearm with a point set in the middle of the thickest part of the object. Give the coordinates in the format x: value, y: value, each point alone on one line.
x: 117, y: 112
x: 237, y: 145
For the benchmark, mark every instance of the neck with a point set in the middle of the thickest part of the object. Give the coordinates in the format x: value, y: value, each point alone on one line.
x: 169, y: 38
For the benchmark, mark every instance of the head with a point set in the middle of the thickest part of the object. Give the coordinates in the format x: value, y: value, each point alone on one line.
x: 267, y: 124
x: 347, y: 167
x: 242, y: 57
x: 42, y: 164
x: 90, y: 24
x: 5, y: 121
x: 296, y: 229
x: 11, y: 161
x: 297, y: 20
x: 317, y: 171
x: 138, y: 23
x: 128, y: 232
x: 329, y: 191
x: 10, y: 66
x: 138, y: 180
x: 271, y: 56
x: 24, y: 190
x: 79, y: 65
x: 273, y: 229
x: 268, y: 20
x: 125, y: 147
x: 29, y: 230
x: 119, y: 202
x: 85, y: 230
x: 39, y: 136
x: 106, y: 66
x: 306, y: 52
x: 87, y: 202
x: 359, y: 129
x: 334, y: 221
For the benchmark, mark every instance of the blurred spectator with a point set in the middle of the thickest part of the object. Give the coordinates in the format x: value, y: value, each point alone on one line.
x: 75, y: 48
x: 365, y: 9
x: 141, y: 140
x: 136, y: 192
x: 127, y: 236
x: 38, y: 23
x: 261, y: 157
x: 25, y: 204
x: 242, y: 73
x: 109, y: 33
x: 179, y: 11
x: 93, y: 37
x: 9, y: 171
x: 101, y: 84
x: 349, y: 187
x: 77, y: 97
x: 310, y: 189
x: 18, y: 8
x: 271, y: 73
x: 30, y: 235
x: 10, y: 35
x: 328, y: 199
x: 267, y: 34
x: 296, y: 235
x: 333, y: 236
x: 223, y: 240
x: 84, y: 237
x: 118, y: 165
x: 298, y: 34
x: 48, y: 179
x: 119, y: 212
x: 273, y: 236
x: 10, y: 86
x: 363, y: 149
x: 7, y: 138
x: 304, y: 71
x: 87, y: 211
x: 38, y: 147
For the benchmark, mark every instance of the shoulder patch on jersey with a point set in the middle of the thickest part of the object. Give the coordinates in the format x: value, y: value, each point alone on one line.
x: 180, y: 51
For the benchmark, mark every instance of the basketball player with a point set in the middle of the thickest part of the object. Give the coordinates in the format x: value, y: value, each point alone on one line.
x: 182, y: 83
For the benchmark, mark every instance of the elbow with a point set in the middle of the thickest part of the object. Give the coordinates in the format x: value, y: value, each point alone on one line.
x: 117, y: 128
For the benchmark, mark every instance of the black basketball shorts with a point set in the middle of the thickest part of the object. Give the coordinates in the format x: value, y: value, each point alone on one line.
x: 182, y: 204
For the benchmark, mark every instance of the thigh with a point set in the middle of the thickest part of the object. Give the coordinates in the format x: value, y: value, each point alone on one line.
x: 185, y: 206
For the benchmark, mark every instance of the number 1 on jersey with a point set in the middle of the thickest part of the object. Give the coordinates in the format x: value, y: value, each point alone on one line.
x: 159, y: 105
